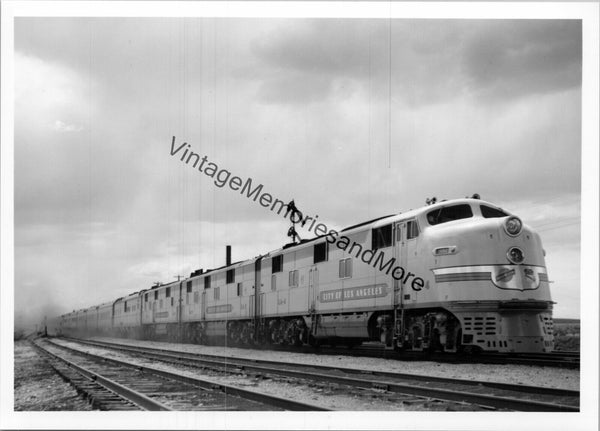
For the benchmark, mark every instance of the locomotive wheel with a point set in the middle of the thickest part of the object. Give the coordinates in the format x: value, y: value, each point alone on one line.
x: 292, y: 334
x: 230, y: 334
x: 458, y: 342
x: 282, y: 333
x: 170, y: 334
x: 399, y: 348
x: 263, y: 337
x: 434, y: 343
x: 246, y: 334
x: 233, y: 333
x: 353, y: 343
x: 199, y: 334
x: 275, y: 332
x: 470, y: 350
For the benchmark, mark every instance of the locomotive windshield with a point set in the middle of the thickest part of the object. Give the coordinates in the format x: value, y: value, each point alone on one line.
x: 491, y: 212
x: 450, y: 213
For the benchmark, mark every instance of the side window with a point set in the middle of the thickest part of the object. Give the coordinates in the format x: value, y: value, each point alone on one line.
x: 172, y: 301
x: 239, y: 289
x: 273, y: 282
x: 412, y: 229
x: 155, y: 295
x: 345, y: 268
x: 207, y: 282
x: 381, y: 237
x: 168, y: 292
x: 277, y: 264
x: 188, y: 286
x: 321, y: 252
x: 230, y: 276
x: 145, y: 297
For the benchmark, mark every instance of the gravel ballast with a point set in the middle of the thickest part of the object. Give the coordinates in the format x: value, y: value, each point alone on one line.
x: 328, y: 395
x: 38, y: 387
x: 515, y: 374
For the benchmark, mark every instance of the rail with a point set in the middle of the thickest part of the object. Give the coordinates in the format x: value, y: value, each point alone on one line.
x: 469, y: 391
x: 267, y: 399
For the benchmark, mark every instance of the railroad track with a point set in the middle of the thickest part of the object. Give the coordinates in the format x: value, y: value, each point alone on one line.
x: 552, y: 359
x: 487, y: 395
x: 558, y: 359
x: 568, y: 360
x: 113, y: 384
x: 101, y: 392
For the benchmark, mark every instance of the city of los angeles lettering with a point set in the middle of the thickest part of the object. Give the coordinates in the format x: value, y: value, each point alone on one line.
x: 226, y: 308
x: 352, y: 293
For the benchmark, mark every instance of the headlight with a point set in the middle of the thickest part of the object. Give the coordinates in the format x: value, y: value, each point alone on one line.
x: 513, y: 226
x: 515, y: 255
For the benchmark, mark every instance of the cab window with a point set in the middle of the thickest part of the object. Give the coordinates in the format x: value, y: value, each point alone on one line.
x: 490, y: 212
x: 450, y: 213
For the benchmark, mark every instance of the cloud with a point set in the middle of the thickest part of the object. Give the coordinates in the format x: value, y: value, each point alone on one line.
x: 504, y: 60
x: 430, y: 61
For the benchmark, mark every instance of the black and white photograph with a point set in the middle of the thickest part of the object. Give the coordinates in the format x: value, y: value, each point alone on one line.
x: 281, y: 215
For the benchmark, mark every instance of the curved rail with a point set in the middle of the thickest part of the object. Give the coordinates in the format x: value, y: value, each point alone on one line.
x: 123, y: 392
x: 267, y: 399
x: 507, y: 396
x: 568, y: 360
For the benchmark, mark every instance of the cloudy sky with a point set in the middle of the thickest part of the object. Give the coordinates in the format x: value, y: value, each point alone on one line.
x: 352, y: 118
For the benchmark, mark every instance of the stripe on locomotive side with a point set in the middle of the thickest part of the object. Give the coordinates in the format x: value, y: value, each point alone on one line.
x: 467, y: 276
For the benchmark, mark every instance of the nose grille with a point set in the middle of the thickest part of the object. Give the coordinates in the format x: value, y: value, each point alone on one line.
x: 480, y: 325
x: 548, y: 324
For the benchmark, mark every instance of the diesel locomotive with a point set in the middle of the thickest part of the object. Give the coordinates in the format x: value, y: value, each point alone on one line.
x: 470, y: 276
